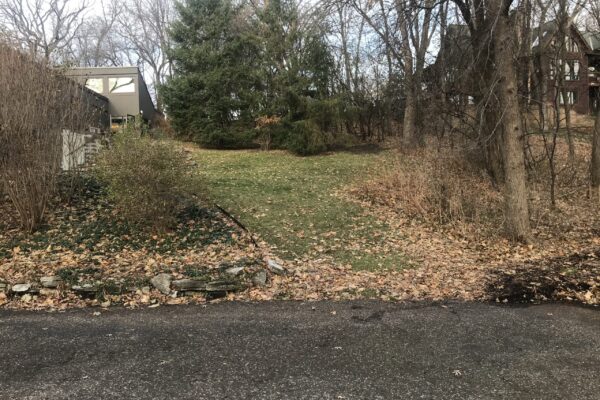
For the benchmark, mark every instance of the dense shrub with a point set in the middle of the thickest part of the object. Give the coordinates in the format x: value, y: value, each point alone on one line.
x: 37, y: 104
x: 149, y: 180
x: 231, y: 139
x: 305, y: 138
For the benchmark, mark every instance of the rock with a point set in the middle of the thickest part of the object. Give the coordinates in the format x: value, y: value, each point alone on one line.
x: 85, y: 288
x: 50, y: 282
x: 21, y: 287
x: 189, y: 285
x: 222, y: 286
x: 162, y: 282
x: 225, y: 265
x: 146, y: 289
x: 4, y: 287
x: 260, y: 278
x: 26, y: 298
x: 276, y: 268
x: 234, y: 271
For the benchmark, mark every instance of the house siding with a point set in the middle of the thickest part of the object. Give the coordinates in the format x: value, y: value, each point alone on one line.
x: 120, y: 104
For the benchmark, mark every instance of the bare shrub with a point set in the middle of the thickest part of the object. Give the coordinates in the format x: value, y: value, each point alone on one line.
x: 436, y: 185
x: 149, y: 180
x: 264, y: 125
x: 36, y: 104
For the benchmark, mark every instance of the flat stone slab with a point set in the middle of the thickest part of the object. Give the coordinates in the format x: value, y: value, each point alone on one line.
x: 234, y: 271
x: 85, y: 288
x: 50, y: 282
x: 192, y: 285
x: 276, y: 268
x: 21, y: 288
x: 188, y: 285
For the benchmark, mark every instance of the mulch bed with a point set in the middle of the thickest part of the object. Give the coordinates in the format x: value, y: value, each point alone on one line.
x: 575, y: 278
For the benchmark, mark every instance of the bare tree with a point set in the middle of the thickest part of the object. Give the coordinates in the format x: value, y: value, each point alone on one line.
x: 405, y: 28
x: 594, y: 19
x: 565, y: 12
x: 144, y: 24
x: 493, y: 38
x: 98, y: 43
x: 44, y: 28
x: 415, y: 24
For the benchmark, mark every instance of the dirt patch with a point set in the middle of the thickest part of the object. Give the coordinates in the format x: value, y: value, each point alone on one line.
x: 574, y: 278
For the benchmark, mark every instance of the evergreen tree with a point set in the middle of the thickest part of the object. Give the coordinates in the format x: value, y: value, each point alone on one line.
x: 298, y: 74
x: 214, y: 93
x: 235, y: 64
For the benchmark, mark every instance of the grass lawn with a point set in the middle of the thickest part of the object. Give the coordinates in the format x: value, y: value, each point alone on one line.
x: 290, y: 203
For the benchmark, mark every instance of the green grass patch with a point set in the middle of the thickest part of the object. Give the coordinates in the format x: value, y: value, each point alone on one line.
x: 290, y: 202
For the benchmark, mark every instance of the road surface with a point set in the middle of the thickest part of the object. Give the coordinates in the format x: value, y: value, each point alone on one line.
x: 289, y: 350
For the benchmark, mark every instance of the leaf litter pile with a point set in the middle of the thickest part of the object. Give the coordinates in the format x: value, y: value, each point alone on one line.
x: 430, y: 255
x: 459, y: 246
x: 86, y: 243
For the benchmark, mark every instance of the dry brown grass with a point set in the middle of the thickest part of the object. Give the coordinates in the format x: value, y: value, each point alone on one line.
x: 574, y: 210
x: 459, y: 246
x: 435, y: 184
x: 438, y: 185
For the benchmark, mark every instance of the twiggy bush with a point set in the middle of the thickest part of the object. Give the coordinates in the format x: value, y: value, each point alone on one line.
x: 149, y: 180
x: 36, y: 104
x: 438, y: 186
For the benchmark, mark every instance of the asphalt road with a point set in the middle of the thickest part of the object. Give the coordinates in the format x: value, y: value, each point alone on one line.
x: 285, y: 350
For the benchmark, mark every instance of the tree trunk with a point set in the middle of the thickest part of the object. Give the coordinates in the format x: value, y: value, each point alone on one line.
x: 542, y: 82
x: 516, y: 195
x: 410, y: 120
x: 569, y: 125
x: 493, y: 149
x: 595, y: 167
x: 483, y: 78
x: 410, y: 106
x: 560, y: 76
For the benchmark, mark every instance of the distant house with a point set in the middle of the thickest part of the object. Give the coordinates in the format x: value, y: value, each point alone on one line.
x: 581, y: 69
x: 581, y: 65
x: 453, y: 62
x: 118, y: 94
x: 124, y: 90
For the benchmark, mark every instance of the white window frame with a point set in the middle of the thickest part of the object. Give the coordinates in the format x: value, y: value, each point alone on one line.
x: 113, y: 81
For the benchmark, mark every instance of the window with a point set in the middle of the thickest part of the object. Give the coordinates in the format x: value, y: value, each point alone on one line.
x: 121, y: 85
x: 571, y: 98
x: 572, y: 70
x: 571, y: 45
x: 95, y: 84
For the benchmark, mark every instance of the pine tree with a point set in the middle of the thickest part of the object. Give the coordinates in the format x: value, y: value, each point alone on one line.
x: 214, y: 93
x: 298, y: 74
x: 235, y: 64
